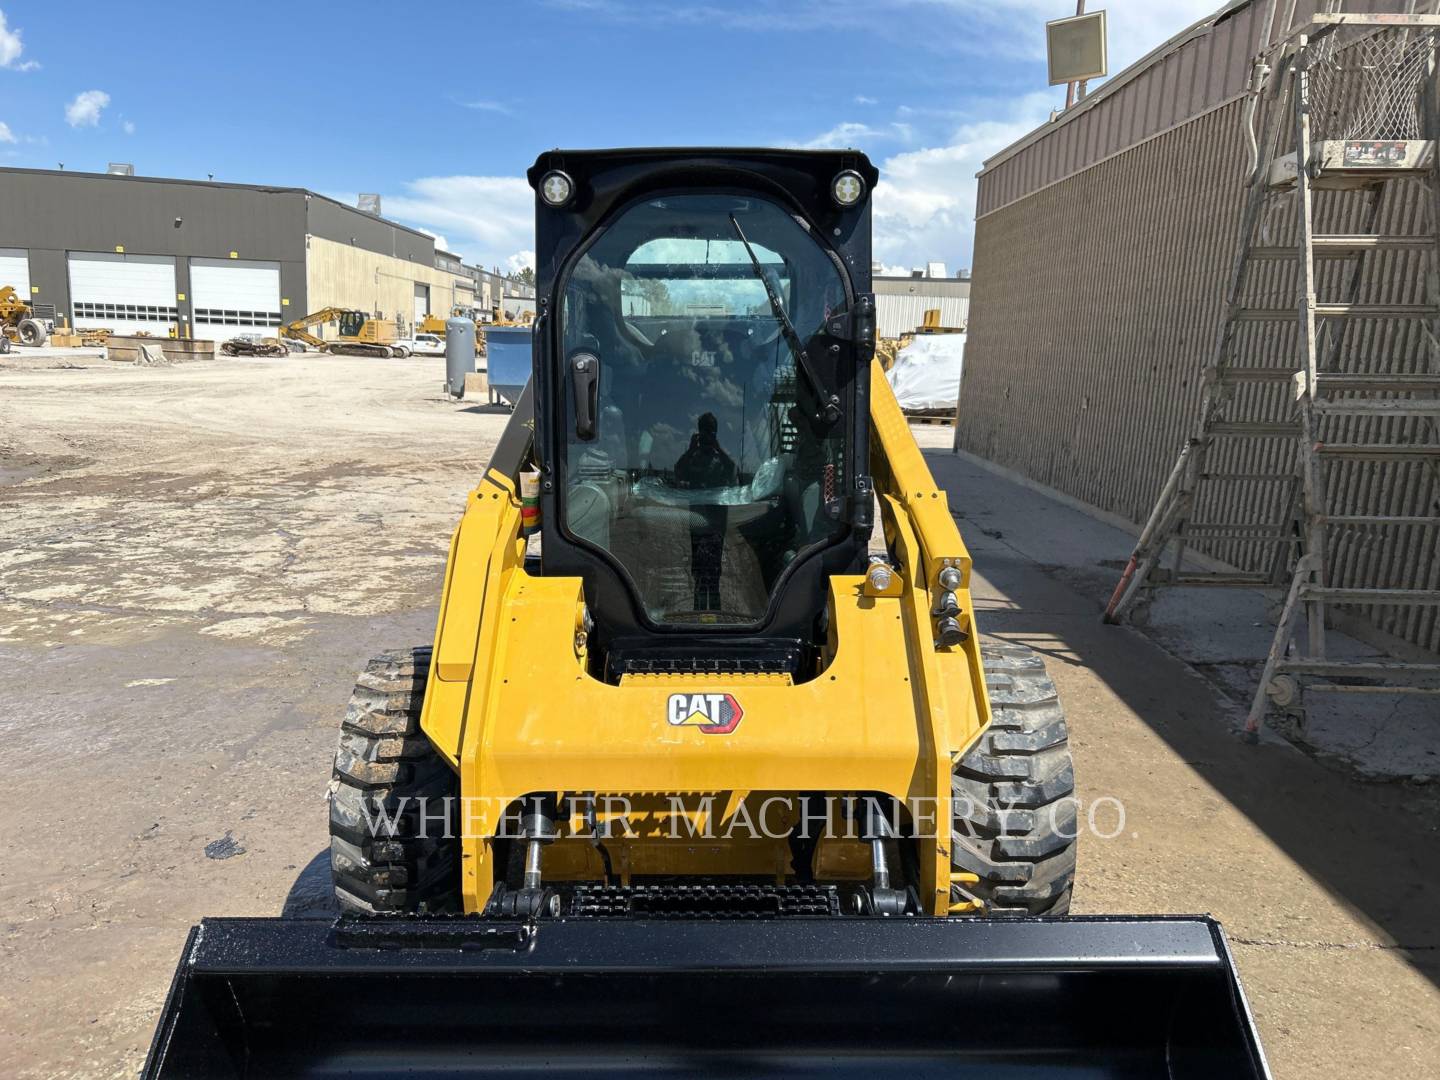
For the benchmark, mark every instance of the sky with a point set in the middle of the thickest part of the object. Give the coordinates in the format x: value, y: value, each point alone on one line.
x: 441, y: 107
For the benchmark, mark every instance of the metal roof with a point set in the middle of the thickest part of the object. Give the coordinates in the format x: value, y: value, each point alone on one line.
x: 268, y: 189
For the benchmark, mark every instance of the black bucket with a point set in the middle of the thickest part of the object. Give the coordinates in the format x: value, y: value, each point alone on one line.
x: 795, y: 998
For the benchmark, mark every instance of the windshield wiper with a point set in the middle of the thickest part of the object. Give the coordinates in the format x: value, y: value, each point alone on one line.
x: 830, y: 410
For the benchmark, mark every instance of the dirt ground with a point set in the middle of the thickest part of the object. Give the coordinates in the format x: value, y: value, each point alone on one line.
x: 195, y: 559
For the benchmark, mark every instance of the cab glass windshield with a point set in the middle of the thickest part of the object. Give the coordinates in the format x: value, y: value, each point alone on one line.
x: 708, y: 468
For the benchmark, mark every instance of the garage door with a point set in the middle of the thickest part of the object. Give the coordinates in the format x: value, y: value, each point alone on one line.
x: 233, y: 297
x: 15, y: 270
x: 126, y: 293
x: 422, y: 303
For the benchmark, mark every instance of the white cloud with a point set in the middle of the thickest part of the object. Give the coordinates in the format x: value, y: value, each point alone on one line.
x: 842, y: 136
x: 1017, y: 27
x: 993, y: 29
x: 128, y: 127
x: 6, y: 135
x: 1136, y: 28
x: 11, y: 49
x: 521, y: 260
x: 489, y: 218
x: 925, y: 201
x: 852, y: 133
x: 85, y: 110
x: 488, y: 106
x: 924, y: 206
x: 764, y: 16
x: 440, y: 241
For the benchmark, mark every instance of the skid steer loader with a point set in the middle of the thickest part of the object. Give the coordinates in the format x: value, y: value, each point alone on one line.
x: 695, y: 778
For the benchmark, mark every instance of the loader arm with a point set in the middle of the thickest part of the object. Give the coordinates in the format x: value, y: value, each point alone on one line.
x: 922, y: 536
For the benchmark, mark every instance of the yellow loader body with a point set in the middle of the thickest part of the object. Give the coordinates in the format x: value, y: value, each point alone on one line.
x: 511, y: 704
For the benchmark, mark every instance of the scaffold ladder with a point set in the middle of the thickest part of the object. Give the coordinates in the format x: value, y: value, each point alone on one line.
x: 1347, y: 107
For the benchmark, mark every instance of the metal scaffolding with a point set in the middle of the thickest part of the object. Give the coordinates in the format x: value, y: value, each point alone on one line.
x: 1310, y: 372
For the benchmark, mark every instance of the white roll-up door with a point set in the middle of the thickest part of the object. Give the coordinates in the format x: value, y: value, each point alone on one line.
x: 15, y: 270
x: 422, y: 303
x: 231, y: 297
x: 125, y: 293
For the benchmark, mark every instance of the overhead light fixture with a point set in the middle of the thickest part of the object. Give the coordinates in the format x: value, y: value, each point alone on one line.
x: 556, y: 188
x: 848, y: 188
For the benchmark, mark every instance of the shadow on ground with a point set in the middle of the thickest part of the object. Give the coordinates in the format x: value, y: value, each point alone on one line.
x: 1374, y: 846
x: 312, y: 895
x: 488, y: 410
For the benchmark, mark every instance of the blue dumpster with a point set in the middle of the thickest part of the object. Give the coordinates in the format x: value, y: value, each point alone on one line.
x: 508, y: 361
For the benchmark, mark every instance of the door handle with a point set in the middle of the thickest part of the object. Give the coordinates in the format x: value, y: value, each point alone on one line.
x: 585, y: 379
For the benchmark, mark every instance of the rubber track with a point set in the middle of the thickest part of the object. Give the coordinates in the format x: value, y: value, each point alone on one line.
x: 387, y: 771
x: 1014, y: 821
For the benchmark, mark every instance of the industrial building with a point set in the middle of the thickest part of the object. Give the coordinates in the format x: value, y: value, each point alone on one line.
x: 1105, y: 241
x: 901, y: 301
x: 209, y: 260
x: 486, y: 291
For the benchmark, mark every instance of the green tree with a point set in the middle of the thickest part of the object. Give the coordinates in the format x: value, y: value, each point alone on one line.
x: 656, y: 293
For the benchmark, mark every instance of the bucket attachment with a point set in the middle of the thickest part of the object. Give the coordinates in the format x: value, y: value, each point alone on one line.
x: 1126, y: 997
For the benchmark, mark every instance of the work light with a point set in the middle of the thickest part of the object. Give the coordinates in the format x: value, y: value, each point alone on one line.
x: 847, y: 188
x: 556, y: 188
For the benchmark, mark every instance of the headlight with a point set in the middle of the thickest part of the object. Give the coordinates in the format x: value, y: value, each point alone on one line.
x: 848, y: 188
x: 556, y: 188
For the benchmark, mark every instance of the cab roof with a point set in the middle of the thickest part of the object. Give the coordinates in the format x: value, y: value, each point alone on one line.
x: 734, y: 156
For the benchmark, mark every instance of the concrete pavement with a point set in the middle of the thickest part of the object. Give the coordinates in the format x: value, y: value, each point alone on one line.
x: 194, y: 560
x: 1326, y: 884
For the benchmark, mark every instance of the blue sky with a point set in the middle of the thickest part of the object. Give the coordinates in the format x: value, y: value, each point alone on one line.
x: 460, y: 97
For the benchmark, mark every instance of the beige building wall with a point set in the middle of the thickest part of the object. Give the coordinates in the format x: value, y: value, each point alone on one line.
x: 341, y: 275
x: 1096, y: 302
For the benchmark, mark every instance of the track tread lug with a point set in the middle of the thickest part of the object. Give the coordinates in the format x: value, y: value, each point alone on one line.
x: 1015, y: 812
x: 384, y: 767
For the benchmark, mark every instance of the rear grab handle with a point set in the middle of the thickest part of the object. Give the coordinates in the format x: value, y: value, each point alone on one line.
x: 585, y: 379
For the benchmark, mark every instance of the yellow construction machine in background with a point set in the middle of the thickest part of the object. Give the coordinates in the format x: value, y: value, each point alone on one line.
x: 19, y: 321
x: 435, y: 324
x: 360, y: 335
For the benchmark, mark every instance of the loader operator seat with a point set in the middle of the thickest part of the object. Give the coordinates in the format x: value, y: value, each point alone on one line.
x: 697, y: 481
x: 689, y: 531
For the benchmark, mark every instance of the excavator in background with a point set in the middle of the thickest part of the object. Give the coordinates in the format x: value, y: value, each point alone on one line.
x: 711, y: 785
x: 360, y: 335
x: 21, y: 322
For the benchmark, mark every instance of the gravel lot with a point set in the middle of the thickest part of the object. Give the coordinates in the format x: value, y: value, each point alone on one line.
x: 194, y: 560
